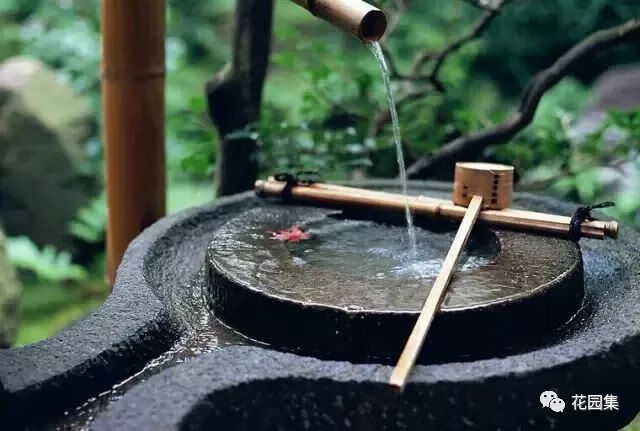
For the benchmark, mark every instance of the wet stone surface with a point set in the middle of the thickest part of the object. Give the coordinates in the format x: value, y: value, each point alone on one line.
x: 365, y: 265
x: 347, y: 291
x: 205, y: 335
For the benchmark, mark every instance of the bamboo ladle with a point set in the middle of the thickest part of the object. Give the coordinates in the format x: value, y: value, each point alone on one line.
x: 476, y: 186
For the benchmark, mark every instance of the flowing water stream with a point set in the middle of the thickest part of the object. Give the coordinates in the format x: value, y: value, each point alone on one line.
x: 376, y: 49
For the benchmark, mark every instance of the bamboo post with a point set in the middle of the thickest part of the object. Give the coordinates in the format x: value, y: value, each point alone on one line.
x: 133, y: 58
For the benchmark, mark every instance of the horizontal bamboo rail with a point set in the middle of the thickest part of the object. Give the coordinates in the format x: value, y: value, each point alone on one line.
x: 344, y: 197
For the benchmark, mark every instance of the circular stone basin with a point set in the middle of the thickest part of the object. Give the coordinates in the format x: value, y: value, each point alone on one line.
x: 353, y: 290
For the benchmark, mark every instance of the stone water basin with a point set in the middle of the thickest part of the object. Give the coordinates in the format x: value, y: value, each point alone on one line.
x: 354, y: 289
x: 157, y: 355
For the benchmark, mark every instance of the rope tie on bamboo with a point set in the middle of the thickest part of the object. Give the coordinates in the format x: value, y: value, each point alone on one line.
x: 300, y: 178
x: 581, y: 215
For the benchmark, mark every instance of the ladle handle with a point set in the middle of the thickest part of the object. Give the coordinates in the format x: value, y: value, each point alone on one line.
x: 436, y: 296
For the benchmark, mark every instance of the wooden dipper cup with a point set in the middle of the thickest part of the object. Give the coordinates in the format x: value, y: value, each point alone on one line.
x: 476, y: 186
x: 492, y: 181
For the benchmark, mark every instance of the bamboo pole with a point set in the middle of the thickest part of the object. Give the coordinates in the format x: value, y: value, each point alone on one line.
x: 133, y: 57
x: 356, y: 17
x: 436, y: 296
x: 342, y: 196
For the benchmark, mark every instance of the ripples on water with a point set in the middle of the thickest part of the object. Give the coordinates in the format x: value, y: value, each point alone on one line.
x: 373, y: 250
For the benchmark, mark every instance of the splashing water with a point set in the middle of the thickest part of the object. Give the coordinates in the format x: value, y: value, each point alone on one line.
x: 376, y: 49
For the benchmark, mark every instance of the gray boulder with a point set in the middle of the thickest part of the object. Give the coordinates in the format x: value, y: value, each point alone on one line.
x: 10, y: 290
x: 618, y: 89
x: 43, y: 128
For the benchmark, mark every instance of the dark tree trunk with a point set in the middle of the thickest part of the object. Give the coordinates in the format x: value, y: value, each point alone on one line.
x: 237, y: 168
x: 234, y: 95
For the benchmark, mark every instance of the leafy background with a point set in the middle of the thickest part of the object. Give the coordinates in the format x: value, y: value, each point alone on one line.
x: 322, y: 91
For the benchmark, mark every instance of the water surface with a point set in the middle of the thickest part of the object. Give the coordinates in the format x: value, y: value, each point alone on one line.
x: 355, y: 264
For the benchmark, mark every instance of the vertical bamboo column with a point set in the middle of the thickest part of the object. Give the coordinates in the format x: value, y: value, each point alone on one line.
x: 133, y: 69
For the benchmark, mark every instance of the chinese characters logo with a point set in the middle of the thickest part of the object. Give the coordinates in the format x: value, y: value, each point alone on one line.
x: 595, y: 402
x: 580, y: 402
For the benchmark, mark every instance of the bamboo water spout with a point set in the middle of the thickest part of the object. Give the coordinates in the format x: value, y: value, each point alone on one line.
x: 366, y: 22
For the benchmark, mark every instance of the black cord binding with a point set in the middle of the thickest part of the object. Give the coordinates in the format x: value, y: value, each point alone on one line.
x: 300, y: 178
x: 581, y: 215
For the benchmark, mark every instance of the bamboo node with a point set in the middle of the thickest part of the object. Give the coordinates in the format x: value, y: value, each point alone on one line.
x: 137, y: 76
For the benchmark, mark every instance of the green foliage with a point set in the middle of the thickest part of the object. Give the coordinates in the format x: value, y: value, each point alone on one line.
x: 184, y: 195
x: 47, y: 264
x: 326, y: 124
x: 323, y: 89
x: 66, y: 36
x: 326, y: 129
x: 529, y: 35
x: 47, y: 308
x: 589, y: 169
x: 340, y: 92
x: 546, y: 142
x: 633, y: 426
x: 91, y: 222
x: 191, y: 141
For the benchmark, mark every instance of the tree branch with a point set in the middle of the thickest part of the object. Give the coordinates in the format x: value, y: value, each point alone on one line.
x: 234, y: 95
x: 394, y: 71
x: 432, y: 80
x: 476, y: 30
x: 472, y: 145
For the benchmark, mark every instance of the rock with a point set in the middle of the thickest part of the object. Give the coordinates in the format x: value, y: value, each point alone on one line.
x: 43, y: 128
x: 10, y: 290
x: 618, y: 89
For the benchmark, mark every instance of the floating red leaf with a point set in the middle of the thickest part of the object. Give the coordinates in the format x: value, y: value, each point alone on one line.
x: 293, y: 234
